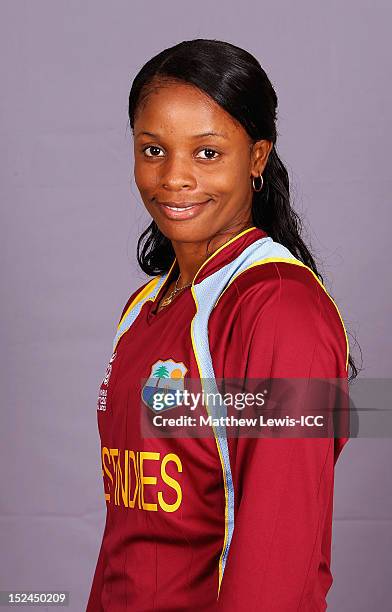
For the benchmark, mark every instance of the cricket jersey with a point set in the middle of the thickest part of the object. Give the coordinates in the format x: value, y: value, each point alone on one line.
x: 218, y: 523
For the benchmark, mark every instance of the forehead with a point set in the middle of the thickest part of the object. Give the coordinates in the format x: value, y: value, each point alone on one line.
x: 181, y: 107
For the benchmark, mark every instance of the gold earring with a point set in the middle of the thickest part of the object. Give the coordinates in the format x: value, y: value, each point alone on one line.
x: 261, y: 183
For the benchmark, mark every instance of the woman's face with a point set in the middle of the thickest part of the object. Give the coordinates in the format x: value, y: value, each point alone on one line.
x: 192, y: 156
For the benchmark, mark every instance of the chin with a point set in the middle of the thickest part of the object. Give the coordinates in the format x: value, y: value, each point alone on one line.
x: 185, y: 231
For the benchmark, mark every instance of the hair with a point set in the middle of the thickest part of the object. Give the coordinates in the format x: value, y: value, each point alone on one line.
x: 235, y: 80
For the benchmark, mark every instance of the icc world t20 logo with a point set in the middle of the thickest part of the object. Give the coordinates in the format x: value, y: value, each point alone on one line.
x: 165, y: 377
x: 103, y: 391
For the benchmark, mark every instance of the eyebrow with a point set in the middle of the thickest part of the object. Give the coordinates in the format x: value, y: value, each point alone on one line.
x: 220, y: 135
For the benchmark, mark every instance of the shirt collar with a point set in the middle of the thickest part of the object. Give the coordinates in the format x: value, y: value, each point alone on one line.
x: 225, y: 253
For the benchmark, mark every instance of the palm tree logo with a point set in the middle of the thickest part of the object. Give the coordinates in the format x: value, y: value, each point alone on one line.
x: 165, y: 377
x: 161, y: 372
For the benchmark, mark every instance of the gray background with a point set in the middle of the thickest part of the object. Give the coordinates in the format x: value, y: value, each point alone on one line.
x: 71, y: 215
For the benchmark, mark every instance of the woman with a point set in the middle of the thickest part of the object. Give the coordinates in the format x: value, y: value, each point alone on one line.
x: 215, y: 523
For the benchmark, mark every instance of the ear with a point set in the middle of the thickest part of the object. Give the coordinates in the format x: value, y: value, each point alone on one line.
x: 259, y: 156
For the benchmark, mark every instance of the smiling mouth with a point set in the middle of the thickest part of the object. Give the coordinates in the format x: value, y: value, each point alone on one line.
x: 182, y: 211
x: 183, y: 206
x: 179, y: 208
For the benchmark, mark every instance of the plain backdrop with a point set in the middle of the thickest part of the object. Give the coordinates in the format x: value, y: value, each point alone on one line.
x: 71, y: 215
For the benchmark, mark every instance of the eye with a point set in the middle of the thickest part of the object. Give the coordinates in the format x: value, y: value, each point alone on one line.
x: 152, y: 148
x: 209, y: 151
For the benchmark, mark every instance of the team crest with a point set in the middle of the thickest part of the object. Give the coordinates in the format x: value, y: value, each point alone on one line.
x: 165, y: 377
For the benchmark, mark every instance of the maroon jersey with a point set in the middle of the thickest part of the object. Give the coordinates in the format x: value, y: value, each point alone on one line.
x: 192, y: 523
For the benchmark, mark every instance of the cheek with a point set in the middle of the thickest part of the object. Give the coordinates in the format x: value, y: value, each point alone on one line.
x: 231, y: 177
x: 220, y: 178
x: 146, y: 177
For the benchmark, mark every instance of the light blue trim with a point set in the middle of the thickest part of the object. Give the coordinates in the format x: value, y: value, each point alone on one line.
x: 207, y: 292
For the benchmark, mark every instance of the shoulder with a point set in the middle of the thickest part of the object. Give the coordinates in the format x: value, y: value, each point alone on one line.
x: 286, y: 302
x: 287, y: 289
x: 272, y: 283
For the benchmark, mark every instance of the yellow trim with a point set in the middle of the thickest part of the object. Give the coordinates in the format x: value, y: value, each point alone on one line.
x: 147, y: 289
x: 144, y: 292
x: 223, y: 246
x: 216, y: 441
x: 218, y: 250
x: 141, y: 295
x: 166, y: 279
x: 298, y: 263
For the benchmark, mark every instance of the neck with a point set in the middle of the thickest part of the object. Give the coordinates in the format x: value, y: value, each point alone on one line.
x: 191, y: 255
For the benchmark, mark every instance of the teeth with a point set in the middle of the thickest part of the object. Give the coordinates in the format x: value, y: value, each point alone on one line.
x: 175, y: 208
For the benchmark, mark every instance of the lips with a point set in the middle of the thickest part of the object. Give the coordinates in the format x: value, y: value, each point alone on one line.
x: 182, y: 210
x: 181, y: 204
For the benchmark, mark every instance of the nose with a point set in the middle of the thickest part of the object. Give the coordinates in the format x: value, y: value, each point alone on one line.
x: 176, y: 173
